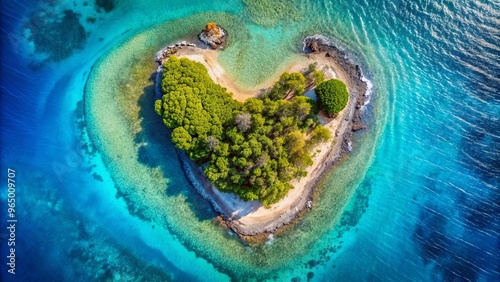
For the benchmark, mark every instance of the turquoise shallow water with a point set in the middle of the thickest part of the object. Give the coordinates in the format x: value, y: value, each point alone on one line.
x: 422, y: 198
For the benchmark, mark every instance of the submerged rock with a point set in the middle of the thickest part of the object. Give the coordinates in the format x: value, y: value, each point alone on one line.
x: 107, y: 5
x: 57, y: 36
x: 357, y: 126
x: 213, y: 35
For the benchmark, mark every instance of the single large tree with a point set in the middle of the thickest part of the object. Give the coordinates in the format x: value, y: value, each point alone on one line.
x: 243, y: 121
x: 289, y: 85
x: 332, y: 96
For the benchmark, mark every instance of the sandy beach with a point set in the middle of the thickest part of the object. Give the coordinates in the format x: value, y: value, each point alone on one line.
x: 251, y: 218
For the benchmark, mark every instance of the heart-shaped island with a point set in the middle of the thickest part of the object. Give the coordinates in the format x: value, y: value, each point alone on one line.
x: 257, y: 154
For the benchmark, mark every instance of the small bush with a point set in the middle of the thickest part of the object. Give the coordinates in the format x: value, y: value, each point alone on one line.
x: 320, y: 134
x: 318, y: 77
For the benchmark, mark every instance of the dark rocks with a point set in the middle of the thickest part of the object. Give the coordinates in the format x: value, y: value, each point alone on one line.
x: 212, y: 45
x: 357, y: 127
x: 309, y: 204
x: 168, y: 51
x: 56, y: 36
x: 165, y: 53
x: 314, y: 46
x: 347, y: 145
x: 213, y: 35
x: 361, y: 101
x: 358, y: 71
x: 107, y: 5
x: 316, y: 43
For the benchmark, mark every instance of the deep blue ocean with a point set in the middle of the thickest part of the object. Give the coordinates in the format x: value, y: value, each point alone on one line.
x: 425, y: 194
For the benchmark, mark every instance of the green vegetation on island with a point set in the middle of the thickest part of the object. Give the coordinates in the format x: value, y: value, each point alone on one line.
x: 253, y: 149
x: 332, y: 96
x: 314, y: 75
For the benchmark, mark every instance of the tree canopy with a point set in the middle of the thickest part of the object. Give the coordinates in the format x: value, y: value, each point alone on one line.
x: 289, y: 84
x: 253, y: 148
x: 212, y: 26
x: 192, y: 101
x: 332, y: 96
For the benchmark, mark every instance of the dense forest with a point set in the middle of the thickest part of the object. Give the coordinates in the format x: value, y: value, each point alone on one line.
x: 253, y: 148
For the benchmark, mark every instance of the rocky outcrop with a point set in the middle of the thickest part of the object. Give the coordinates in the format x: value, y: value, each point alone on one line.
x: 357, y: 126
x: 314, y: 46
x: 316, y: 43
x: 213, y: 35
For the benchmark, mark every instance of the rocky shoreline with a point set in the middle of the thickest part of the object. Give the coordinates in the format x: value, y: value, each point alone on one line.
x: 351, y: 121
x: 319, y: 43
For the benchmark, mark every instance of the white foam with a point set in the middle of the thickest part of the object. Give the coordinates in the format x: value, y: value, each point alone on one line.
x: 369, y: 90
x: 270, y: 240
